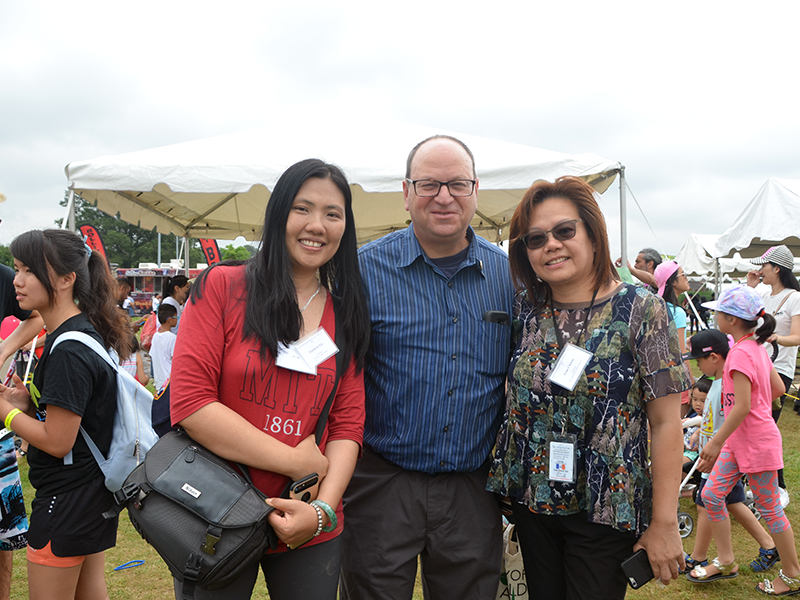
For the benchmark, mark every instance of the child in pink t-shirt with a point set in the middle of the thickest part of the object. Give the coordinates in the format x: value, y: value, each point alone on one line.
x: 748, y: 442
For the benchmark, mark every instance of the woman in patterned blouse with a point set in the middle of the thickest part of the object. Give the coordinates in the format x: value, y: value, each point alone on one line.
x: 573, y: 456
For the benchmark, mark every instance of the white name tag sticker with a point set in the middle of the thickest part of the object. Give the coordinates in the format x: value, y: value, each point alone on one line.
x: 569, y: 366
x: 315, y: 348
x: 307, y: 353
x: 289, y: 358
x: 562, y: 462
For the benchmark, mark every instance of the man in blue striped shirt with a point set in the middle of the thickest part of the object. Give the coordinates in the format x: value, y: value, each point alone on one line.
x: 440, y: 299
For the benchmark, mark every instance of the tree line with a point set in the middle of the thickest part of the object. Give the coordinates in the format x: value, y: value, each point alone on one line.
x: 127, y: 245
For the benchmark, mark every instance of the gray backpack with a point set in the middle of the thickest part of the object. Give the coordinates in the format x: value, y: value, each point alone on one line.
x: 133, y: 433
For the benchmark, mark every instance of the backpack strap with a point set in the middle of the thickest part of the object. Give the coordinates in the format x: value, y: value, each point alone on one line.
x: 340, y: 368
x: 87, y: 340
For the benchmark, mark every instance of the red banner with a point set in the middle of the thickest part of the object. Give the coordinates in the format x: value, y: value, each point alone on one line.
x: 211, y: 250
x: 92, y: 238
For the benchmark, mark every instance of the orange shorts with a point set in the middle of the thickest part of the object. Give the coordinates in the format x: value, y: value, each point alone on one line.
x: 46, y: 558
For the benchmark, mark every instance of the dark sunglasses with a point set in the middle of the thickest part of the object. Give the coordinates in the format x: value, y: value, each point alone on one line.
x: 565, y: 230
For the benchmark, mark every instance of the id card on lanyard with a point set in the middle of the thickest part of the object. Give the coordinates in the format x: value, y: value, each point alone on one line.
x: 562, y: 447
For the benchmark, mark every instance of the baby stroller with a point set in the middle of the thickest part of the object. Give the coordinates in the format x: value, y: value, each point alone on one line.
x: 685, y: 520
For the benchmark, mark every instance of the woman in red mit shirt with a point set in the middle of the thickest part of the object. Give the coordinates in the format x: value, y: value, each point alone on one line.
x: 239, y: 388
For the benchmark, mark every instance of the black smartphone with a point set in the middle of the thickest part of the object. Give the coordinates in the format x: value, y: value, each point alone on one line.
x: 496, y: 316
x: 304, y: 489
x: 637, y: 569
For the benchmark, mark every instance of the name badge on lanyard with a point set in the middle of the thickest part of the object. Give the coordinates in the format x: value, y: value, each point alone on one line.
x: 562, y: 449
x: 569, y: 366
x: 562, y: 453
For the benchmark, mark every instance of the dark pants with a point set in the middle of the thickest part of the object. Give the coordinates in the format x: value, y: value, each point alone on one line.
x: 393, y: 517
x: 308, y: 572
x: 568, y: 558
x: 776, y: 413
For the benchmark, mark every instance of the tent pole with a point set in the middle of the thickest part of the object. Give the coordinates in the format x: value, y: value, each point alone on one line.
x: 623, y: 224
x: 69, y: 218
x: 72, y: 226
x: 186, y: 256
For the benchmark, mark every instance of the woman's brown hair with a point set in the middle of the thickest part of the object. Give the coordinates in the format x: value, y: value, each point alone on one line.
x: 581, y: 194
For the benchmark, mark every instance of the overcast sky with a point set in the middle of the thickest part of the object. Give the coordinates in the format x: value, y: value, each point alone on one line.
x: 699, y: 100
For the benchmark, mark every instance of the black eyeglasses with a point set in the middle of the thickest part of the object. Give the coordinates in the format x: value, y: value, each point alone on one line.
x: 565, y: 230
x: 427, y: 188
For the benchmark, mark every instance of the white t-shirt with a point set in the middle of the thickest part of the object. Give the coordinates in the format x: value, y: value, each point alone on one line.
x: 787, y: 355
x: 161, y: 355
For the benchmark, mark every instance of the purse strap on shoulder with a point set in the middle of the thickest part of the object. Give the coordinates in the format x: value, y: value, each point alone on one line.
x: 785, y: 298
x: 340, y: 367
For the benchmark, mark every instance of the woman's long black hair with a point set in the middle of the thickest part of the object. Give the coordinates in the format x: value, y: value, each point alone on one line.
x: 271, y: 312
x: 788, y: 280
x: 177, y: 281
x: 62, y: 252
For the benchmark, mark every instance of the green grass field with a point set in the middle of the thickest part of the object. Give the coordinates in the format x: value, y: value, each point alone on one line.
x: 152, y: 580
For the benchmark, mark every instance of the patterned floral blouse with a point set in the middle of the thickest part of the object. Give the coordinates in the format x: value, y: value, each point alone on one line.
x: 635, y: 359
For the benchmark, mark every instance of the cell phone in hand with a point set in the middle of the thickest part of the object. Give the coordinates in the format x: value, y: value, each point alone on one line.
x: 637, y: 569
x: 304, y: 489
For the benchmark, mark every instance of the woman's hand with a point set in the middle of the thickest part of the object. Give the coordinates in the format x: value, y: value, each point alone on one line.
x: 708, y: 456
x: 753, y: 278
x: 662, y: 541
x: 294, y: 522
x: 308, y: 459
x: 17, y: 396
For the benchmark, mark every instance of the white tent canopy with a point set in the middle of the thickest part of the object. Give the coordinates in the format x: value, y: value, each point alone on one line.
x: 771, y: 218
x: 219, y: 187
x: 697, y: 257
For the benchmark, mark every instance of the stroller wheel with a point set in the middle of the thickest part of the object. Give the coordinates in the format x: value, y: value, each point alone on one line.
x: 753, y: 509
x: 685, y: 524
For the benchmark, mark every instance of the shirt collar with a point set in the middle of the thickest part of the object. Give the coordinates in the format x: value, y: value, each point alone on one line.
x: 412, y: 250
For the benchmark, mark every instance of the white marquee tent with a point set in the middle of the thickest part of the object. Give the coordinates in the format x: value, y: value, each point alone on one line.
x: 772, y: 217
x: 697, y: 257
x: 219, y: 187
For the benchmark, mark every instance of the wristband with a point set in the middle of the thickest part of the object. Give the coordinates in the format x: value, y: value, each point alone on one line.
x: 328, y: 511
x: 10, y: 416
x: 319, y: 519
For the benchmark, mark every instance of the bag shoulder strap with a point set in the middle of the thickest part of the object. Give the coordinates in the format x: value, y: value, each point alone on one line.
x: 785, y: 298
x: 87, y: 340
x: 340, y: 367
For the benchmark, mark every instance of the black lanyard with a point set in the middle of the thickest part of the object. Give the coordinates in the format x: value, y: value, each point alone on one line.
x: 583, y: 328
x: 566, y: 395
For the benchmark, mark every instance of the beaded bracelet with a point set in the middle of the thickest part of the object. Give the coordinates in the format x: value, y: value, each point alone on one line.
x: 328, y: 511
x: 319, y: 519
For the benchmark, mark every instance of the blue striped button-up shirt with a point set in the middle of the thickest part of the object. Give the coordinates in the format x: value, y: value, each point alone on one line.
x: 436, y: 370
